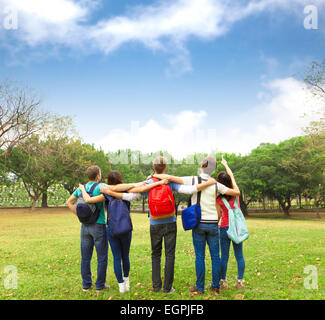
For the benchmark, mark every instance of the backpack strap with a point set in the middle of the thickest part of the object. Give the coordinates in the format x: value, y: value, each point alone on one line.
x: 189, y: 202
x: 236, y: 204
x: 198, y: 202
x: 80, y: 195
x: 226, y: 203
x: 93, y: 188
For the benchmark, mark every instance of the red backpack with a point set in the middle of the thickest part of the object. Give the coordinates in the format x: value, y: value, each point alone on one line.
x: 161, y: 202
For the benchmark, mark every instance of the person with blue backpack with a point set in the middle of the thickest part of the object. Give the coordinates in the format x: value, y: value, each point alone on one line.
x: 226, y: 204
x: 119, y: 223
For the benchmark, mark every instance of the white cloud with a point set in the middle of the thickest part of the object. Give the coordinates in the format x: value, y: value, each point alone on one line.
x: 286, y: 107
x: 279, y: 117
x: 180, y: 134
x: 49, y: 21
x: 166, y: 26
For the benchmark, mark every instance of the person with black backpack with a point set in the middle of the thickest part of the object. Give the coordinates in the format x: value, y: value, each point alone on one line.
x: 119, y: 223
x: 93, y: 231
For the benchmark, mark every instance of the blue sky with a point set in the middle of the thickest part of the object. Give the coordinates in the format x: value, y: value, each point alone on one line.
x: 187, y: 75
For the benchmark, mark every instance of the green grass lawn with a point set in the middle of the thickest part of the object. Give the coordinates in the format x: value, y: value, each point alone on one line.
x: 45, y: 248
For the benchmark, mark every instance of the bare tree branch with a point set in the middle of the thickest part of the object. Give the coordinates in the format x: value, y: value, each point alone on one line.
x: 20, y: 116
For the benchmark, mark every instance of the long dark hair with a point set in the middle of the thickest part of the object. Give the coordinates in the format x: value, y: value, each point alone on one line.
x: 114, y: 177
x: 224, y: 178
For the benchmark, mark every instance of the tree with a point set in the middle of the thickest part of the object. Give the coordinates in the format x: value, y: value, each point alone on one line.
x: 77, y: 158
x: 306, y: 164
x: 270, y: 177
x: 36, y: 164
x: 20, y: 116
x: 315, y: 80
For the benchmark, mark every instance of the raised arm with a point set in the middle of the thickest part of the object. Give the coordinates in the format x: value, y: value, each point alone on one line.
x: 88, y: 198
x: 235, y: 191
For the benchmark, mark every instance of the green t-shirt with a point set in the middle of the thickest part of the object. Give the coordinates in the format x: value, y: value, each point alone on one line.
x: 100, y: 205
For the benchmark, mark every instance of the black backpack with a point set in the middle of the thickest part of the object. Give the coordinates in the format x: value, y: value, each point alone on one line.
x: 88, y: 213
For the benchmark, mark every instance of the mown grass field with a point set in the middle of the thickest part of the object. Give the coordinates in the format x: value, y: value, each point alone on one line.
x: 45, y: 248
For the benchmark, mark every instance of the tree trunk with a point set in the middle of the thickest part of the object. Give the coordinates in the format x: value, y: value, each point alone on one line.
x: 317, y: 203
x: 285, y: 208
x: 300, y: 201
x: 286, y: 211
x: 34, y: 204
x: 243, y: 205
x: 317, y: 212
x: 44, y: 200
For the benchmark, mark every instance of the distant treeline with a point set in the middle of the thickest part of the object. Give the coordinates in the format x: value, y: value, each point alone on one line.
x: 280, y: 173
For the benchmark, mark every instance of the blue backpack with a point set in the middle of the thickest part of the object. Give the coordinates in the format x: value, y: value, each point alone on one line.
x: 237, y: 230
x: 191, y: 216
x: 88, y: 213
x: 118, y: 216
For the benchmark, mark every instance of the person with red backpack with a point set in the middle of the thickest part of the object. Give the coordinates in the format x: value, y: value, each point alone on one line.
x: 163, y: 225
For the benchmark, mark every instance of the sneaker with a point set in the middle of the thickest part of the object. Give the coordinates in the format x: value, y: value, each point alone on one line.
x: 240, y: 284
x: 156, y: 290
x: 122, y: 287
x: 215, y: 289
x: 172, y: 290
x: 86, y: 289
x: 106, y: 287
x: 223, y: 284
x: 194, y: 289
x: 127, y: 283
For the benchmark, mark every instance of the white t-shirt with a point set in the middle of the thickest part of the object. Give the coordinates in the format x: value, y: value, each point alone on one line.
x: 208, y: 198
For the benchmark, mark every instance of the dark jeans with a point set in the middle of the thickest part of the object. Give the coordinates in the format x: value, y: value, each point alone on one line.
x: 158, y: 233
x: 202, y: 234
x: 120, y: 247
x: 238, y: 250
x: 93, y: 235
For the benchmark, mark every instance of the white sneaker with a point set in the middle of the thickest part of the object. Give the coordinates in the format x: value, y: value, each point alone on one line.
x: 122, y: 287
x: 127, y: 283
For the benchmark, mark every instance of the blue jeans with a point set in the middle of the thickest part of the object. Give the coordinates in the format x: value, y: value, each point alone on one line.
x: 120, y: 248
x: 202, y: 234
x: 238, y: 250
x: 93, y: 235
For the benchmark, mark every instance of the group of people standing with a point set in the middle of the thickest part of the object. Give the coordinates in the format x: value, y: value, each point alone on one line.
x: 212, y: 194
